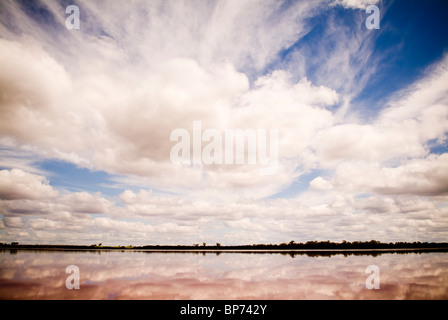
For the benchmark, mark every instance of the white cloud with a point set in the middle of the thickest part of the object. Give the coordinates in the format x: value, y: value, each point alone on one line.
x: 320, y: 183
x: 104, y: 107
x: 13, y: 222
x: 17, y: 184
x: 146, y: 218
x: 83, y: 202
x: 355, y: 4
x: 427, y: 176
x: 123, y: 126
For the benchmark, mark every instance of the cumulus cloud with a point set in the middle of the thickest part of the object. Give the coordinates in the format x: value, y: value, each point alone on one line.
x: 122, y: 133
x: 33, y: 86
x: 68, y: 101
x: 13, y: 222
x: 17, y: 184
x: 419, y: 177
x: 146, y: 218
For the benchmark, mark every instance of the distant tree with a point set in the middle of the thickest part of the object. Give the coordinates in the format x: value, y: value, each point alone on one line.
x: 218, y: 244
x: 204, y: 244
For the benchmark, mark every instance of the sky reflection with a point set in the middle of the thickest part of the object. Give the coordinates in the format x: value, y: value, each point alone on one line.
x: 142, y: 275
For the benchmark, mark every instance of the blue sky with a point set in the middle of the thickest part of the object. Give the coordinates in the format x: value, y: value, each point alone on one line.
x: 408, y: 43
x: 362, y: 120
x: 69, y: 176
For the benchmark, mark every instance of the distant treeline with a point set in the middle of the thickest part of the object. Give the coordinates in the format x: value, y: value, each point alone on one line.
x: 292, y: 245
x: 314, y: 245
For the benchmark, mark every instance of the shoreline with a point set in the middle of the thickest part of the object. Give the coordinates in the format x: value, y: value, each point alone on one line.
x: 233, y: 250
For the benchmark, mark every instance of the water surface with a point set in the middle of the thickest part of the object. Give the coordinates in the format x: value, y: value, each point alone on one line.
x: 26, y: 274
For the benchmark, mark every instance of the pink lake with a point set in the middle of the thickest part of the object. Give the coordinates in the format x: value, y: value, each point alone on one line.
x: 26, y: 274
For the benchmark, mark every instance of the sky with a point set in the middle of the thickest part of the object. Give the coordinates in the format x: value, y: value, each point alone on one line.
x: 356, y: 121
